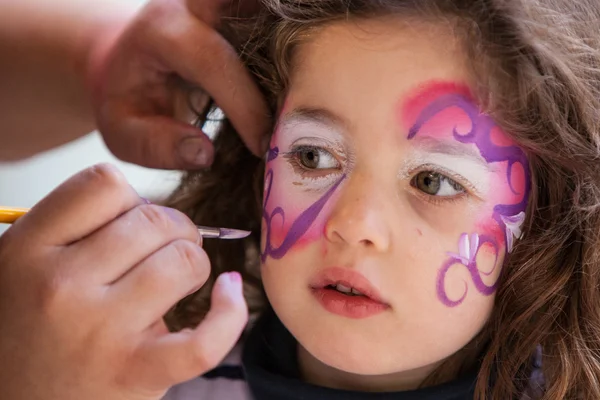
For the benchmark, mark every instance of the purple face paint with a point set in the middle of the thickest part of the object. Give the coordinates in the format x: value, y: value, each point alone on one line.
x: 480, y: 135
x: 468, y: 249
x: 292, y: 233
x: 440, y: 109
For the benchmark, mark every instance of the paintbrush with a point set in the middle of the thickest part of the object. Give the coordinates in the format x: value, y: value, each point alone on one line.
x: 9, y: 215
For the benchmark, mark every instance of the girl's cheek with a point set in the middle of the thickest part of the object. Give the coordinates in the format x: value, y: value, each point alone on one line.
x: 489, y: 227
x: 281, y: 222
x: 296, y: 215
x: 280, y: 230
x: 489, y: 263
x: 293, y: 207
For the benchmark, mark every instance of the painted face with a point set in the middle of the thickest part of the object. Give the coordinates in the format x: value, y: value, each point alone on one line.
x: 390, y: 203
x: 440, y: 114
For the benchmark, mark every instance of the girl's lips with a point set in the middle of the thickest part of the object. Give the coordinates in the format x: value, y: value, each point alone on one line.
x: 367, y: 304
x: 349, y: 278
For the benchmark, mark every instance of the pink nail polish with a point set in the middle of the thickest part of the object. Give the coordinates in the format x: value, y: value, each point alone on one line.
x: 235, y: 277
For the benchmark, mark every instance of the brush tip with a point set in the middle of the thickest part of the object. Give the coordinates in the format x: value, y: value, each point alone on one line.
x: 227, y: 233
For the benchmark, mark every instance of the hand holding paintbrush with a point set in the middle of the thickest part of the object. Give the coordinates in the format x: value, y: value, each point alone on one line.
x: 87, y: 276
x: 9, y: 215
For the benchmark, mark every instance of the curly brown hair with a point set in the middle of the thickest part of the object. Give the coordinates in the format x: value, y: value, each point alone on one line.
x: 536, y: 69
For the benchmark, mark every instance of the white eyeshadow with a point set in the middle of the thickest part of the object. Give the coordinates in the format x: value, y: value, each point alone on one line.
x: 476, y: 173
x: 309, y: 131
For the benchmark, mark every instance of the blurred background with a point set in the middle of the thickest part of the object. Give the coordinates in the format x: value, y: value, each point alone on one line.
x: 22, y: 184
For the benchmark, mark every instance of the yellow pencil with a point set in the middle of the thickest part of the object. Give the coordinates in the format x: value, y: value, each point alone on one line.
x: 9, y: 215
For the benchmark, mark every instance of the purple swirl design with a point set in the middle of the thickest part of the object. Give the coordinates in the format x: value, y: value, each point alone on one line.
x: 480, y: 135
x: 300, y: 225
x: 467, y: 259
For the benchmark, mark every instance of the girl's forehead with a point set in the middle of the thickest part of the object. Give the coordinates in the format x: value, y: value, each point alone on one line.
x: 341, y: 71
x: 381, y: 43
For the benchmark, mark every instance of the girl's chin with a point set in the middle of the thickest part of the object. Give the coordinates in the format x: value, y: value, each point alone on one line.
x: 353, y: 353
x: 352, y: 357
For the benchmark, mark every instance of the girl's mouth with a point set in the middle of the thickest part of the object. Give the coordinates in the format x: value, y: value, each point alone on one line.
x: 345, y: 292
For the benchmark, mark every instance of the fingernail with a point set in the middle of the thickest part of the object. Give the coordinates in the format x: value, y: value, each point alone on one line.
x: 235, y: 277
x: 232, y: 282
x: 193, y: 151
x: 145, y: 200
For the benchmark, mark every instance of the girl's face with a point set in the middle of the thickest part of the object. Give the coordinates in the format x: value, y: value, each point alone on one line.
x: 390, y: 202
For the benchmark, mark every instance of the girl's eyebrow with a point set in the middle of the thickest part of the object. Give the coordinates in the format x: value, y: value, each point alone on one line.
x: 314, y: 115
x: 433, y: 145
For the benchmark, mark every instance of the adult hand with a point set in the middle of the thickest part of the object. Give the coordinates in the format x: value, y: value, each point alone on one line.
x: 137, y: 84
x: 85, y: 278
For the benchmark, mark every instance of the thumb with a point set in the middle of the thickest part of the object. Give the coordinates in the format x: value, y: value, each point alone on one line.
x: 181, y: 356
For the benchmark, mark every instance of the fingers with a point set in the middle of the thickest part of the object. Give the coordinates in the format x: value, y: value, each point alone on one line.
x: 189, y: 353
x: 209, y: 11
x: 200, y: 55
x: 111, y: 251
x: 137, y: 85
x: 151, y: 288
x: 156, y: 141
x: 79, y: 206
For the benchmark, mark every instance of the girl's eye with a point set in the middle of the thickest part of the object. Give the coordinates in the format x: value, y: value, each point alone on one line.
x: 316, y: 158
x: 436, y: 184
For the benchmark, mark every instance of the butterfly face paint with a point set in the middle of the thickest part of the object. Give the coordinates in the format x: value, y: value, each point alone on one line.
x: 446, y: 112
x: 303, y: 173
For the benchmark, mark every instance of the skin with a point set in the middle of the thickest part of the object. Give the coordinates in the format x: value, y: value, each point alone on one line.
x: 78, y: 259
x: 82, y: 270
x: 124, y: 71
x: 357, y: 92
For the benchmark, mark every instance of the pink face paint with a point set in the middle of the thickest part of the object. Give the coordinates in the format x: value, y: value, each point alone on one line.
x: 302, y: 221
x: 448, y: 110
x: 300, y: 224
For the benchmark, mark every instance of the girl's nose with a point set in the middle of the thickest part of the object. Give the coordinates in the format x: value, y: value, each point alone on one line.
x: 359, y: 216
